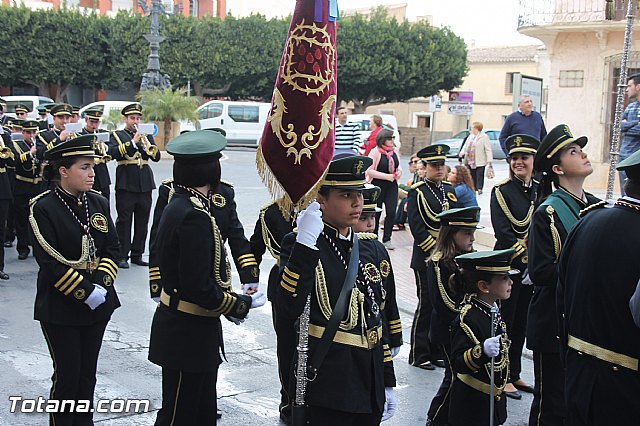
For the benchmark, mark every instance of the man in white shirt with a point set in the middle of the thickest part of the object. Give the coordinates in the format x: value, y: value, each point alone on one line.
x: 347, y: 137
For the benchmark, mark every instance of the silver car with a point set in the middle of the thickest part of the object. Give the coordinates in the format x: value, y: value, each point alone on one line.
x: 457, y: 141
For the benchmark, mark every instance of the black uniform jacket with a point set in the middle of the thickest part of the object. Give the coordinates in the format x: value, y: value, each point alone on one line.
x: 64, y: 282
x: 45, y: 140
x: 133, y: 173
x: 222, y: 206
x: 5, y: 179
x: 271, y: 228
x: 546, y: 238
x: 195, y: 270
x: 28, y: 180
x: 472, y: 367
x: 512, y: 206
x: 351, y: 378
x: 446, y: 304
x: 422, y: 208
x: 390, y: 314
x: 102, y: 178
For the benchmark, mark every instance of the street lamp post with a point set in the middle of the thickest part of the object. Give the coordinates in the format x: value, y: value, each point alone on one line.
x: 153, y: 78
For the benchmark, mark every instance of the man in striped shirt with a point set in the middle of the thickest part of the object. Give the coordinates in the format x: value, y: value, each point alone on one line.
x: 347, y: 137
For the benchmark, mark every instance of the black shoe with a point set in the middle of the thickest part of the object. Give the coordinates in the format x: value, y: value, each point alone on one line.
x: 4, y: 275
x: 514, y: 395
x: 8, y: 244
x: 524, y: 388
x: 218, y: 414
x: 439, y: 363
x: 138, y: 261
x: 425, y: 366
x: 123, y: 264
x: 23, y: 255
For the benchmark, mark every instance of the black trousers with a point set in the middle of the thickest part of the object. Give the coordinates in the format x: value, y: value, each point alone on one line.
x: 132, y: 207
x: 388, y: 196
x: 421, y: 348
x: 4, y: 211
x: 477, y: 175
x: 286, y: 341
x: 401, y: 214
x: 438, y: 413
x: 74, y: 351
x: 10, y: 227
x: 514, y: 313
x: 322, y: 416
x: 188, y: 399
x: 21, y: 221
x: 548, y: 406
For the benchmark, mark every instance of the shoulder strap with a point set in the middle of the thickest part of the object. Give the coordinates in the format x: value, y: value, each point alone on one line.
x: 338, y: 311
x: 565, y: 207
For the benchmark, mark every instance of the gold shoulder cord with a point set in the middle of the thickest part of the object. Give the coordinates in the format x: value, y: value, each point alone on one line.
x: 467, y: 330
x: 217, y: 258
x: 555, y: 235
x: 127, y: 156
x: 423, y: 206
x: 503, y: 205
x: 53, y: 252
x: 443, y: 292
x: 267, y: 236
x: 172, y: 191
x: 356, y: 301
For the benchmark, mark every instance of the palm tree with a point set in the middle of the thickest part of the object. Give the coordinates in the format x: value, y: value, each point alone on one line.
x: 168, y: 106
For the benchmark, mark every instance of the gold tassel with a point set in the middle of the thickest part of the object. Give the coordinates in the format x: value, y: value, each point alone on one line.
x: 283, y: 200
x: 609, y: 11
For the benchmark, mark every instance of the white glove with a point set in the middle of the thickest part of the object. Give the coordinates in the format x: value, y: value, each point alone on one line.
x: 390, y: 403
x: 249, y: 288
x: 310, y: 225
x: 236, y: 321
x: 258, y: 299
x: 97, y: 297
x: 395, y: 351
x: 491, y: 346
x: 525, y: 278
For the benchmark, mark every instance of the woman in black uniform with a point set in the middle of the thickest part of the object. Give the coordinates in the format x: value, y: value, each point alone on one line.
x: 512, y: 205
x: 76, y: 247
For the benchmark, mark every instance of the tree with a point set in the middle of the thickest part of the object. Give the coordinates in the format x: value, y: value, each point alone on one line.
x: 167, y: 106
x: 381, y: 60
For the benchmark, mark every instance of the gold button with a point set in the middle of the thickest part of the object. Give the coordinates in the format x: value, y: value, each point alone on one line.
x: 614, y: 368
x: 580, y: 353
x: 294, y: 295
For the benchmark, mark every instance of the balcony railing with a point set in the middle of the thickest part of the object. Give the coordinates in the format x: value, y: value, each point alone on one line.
x: 547, y: 12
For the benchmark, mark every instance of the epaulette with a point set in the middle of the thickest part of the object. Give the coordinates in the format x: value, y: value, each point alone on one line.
x: 445, y: 182
x: 266, y: 206
x: 95, y: 192
x: 226, y: 183
x: 503, y: 182
x: 436, y: 256
x: 366, y: 236
x: 592, y: 207
x: 416, y: 185
x: 167, y: 182
x: 37, y: 197
x: 197, y: 203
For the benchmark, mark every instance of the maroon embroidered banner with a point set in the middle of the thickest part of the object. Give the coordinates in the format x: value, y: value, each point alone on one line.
x: 298, y: 139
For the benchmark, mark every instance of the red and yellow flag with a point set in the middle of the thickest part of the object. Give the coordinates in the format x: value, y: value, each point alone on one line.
x: 298, y: 139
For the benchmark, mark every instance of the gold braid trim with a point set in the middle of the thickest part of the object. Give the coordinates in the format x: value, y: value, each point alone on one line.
x: 53, y: 252
x: 555, y: 235
x: 356, y: 302
x: 467, y: 330
x: 503, y: 205
x: 443, y: 292
x: 267, y: 236
x: 423, y: 206
x: 217, y: 257
x: 136, y: 156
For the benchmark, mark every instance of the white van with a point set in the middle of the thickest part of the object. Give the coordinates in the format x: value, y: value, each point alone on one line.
x: 31, y: 102
x: 364, y: 121
x: 106, y: 107
x: 243, y: 121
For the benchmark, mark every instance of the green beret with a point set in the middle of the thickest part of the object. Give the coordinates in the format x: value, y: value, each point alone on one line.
x: 61, y: 109
x: 347, y: 173
x: 371, y: 194
x: 521, y: 143
x: 493, y: 262
x: 555, y: 141
x: 466, y: 217
x: 134, y: 108
x: 434, y: 153
x: 199, y: 146
x: 81, y: 146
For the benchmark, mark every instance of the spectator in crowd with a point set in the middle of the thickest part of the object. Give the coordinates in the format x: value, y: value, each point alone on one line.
x: 523, y: 121
x: 447, y: 172
x: 401, y: 211
x: 384, y: 173
x: 463, y: 185
x: 630, y: 125
x: 375, y: 125
x: 347, y: 136
x: 477, y: 154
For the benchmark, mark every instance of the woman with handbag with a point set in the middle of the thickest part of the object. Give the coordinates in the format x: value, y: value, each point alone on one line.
x: 477, y: 155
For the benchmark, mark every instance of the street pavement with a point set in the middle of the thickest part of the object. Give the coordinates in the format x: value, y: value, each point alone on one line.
x: 247, y: 383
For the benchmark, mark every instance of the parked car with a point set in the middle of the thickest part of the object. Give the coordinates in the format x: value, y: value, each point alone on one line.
x: 243, y: 121
x: 457, y: 141
x: 106, y: 107
x: 364, y: 121
x: 31, y: 102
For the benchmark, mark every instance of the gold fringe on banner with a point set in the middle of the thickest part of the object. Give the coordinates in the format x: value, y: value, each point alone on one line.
x: 283, y: 200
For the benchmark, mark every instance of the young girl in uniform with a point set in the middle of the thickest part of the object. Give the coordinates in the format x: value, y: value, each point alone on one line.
x: 476, y: 342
